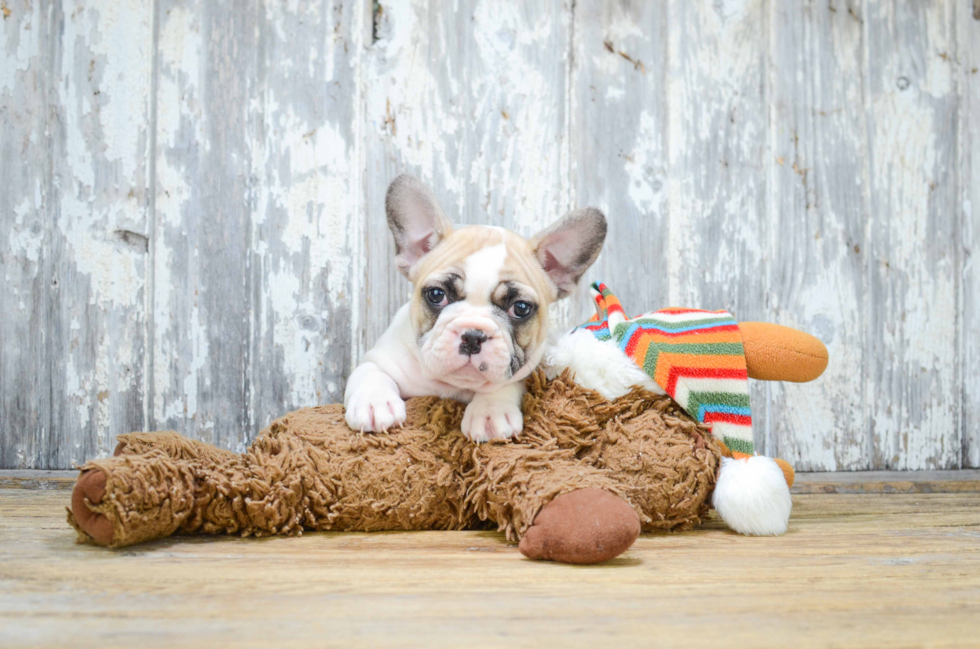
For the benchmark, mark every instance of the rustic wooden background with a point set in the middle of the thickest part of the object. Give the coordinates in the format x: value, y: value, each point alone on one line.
x: 191, y: 197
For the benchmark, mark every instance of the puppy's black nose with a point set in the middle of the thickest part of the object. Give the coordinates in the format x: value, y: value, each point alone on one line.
x: 472, y: 339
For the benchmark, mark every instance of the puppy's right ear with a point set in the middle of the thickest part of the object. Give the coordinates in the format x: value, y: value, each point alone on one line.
x: 416, y: 221
x: 567, y: 248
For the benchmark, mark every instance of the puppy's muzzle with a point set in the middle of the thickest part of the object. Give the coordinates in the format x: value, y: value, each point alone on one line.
x: 472, y: 340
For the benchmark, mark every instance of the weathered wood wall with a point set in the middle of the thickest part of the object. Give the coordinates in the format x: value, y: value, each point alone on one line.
x: 191, y: 197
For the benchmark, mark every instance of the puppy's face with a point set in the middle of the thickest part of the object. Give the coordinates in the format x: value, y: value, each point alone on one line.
x: 479, y: 308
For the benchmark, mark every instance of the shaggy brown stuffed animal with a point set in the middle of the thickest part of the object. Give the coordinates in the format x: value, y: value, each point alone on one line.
x: 563, y: 488
x: 587, y: 474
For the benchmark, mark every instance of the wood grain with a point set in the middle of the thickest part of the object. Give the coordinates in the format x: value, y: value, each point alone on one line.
x: 618, y: 132
x: 854, y: 570
x: 252, y: 308
x: 888, y: 482
x: 192, y: 229
x: 306, y: 195
x: 818, y: 282
x: 202, y: 231
x: 38, y: 480
x: 968, y: 38
x: 25, y: 101
x: 911, y: 107
x: 75, y: 91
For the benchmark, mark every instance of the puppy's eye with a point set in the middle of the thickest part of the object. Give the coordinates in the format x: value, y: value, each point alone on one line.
x: 520, y: 310
x: 436, y: 296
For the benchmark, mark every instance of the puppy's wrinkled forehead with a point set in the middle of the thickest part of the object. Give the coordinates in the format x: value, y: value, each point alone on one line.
x: 479, y: 259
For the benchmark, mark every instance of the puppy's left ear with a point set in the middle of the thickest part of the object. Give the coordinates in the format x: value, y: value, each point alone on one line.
x: 416, y: 221
x: 567, y: 248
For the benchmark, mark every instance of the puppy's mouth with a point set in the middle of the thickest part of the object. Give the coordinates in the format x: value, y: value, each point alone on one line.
x: 469, y: 352
x: 469, y: 373
x: 474, y: 370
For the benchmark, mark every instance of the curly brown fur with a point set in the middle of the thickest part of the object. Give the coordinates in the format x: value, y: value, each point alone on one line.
x: 309, y: 471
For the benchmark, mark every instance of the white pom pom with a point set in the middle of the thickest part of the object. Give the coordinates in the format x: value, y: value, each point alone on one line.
x: 752, y: 496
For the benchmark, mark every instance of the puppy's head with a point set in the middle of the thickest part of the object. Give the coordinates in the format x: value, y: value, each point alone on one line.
x: 479, y: 307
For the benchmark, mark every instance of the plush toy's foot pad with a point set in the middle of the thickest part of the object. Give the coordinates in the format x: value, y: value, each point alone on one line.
x: 91, y: 486
x: 583, y: 526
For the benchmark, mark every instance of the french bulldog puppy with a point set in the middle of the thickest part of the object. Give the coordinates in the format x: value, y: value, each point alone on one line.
x: 477, y: 321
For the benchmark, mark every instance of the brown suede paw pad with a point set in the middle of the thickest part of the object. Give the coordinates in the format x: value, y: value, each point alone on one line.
x: 583, y: 526
x: 91, y: 486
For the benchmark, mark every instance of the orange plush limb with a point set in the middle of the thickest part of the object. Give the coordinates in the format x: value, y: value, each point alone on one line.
x: 777, y: 353
x: 788, y: 472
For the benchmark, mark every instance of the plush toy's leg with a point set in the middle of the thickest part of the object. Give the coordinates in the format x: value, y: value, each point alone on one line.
x: 666, y: 465
x: 171, y: 443
x: 151, y: 488
x: 559, y: 508
x: 789, y: 473
x: 583, y: 526
x: 90, y: 490
x: 777, y: 353
x: 307, y: 472
x: 129, y: 499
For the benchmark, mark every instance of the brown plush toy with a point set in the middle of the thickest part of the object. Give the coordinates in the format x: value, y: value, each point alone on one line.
x: 578, y: 485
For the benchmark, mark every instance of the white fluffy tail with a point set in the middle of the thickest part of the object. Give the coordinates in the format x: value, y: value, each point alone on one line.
x: 752, y: 496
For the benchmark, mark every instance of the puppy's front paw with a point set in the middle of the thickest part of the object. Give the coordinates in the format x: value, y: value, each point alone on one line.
x: 487, y: 418
x: 374, y: 409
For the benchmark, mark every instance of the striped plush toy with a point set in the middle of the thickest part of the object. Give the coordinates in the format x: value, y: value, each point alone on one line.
x: 694, y: 356
x: 703, y: 360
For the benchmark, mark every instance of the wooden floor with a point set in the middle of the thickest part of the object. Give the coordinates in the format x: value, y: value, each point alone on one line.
x: 879, y: 570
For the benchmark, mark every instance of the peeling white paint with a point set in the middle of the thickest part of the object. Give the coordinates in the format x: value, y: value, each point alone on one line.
x: 117, y: 277
x: 296, y: 343
x: 192, y: 380
x: 716, y: 189
x: 18, y: 61
x: 74, y: 95
x: 644, y: 189
x: 24, y: 241
x: 120, y: 32
x: 733, y: 177
x: 914, y: 408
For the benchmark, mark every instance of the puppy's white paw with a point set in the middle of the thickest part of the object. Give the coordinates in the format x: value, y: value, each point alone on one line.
x: 488, y: 418
x: 375, y: 409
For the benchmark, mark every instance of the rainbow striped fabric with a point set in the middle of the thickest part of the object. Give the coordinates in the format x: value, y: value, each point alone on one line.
x: 695, y: 356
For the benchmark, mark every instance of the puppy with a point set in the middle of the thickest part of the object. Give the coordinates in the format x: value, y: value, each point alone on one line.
x: 477, y: 321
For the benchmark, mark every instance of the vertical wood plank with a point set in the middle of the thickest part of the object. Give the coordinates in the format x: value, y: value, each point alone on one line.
x: 97, y: 326
x: 258, y: 186
x: 202, y: 233
x: 718, y: 157
x: 618, y: 141
x: 77, y: 99
x: 25, y: 231
x: 819, y: 212
x: 968, y: 45
x: 914, y: 392
x: 307, y: 204
x: 811, y: 164
x: 470, y: 97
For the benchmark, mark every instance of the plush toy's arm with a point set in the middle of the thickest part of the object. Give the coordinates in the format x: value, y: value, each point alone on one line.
x: 777, y: 353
